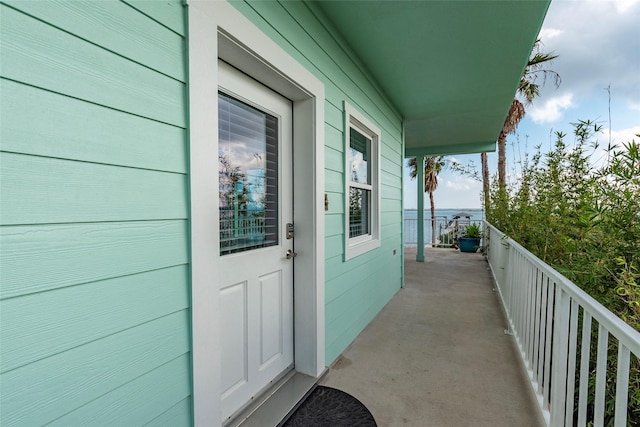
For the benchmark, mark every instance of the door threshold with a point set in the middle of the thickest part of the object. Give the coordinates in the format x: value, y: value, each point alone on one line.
x: 276, y: 403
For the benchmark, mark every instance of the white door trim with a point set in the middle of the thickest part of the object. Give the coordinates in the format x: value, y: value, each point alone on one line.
x: 218, y: 30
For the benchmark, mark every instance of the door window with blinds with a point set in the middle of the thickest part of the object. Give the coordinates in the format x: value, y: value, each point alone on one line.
x: 362, y: 224
x: 248, y: 176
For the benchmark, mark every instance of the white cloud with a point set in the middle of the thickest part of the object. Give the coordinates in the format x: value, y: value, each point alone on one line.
x: 598, y: 45
x: 623, y: 135
x: 600, y: 155
x: 459, y: 183
x: 549, y: 33
x: 623, y: 6
x: 552, y: 109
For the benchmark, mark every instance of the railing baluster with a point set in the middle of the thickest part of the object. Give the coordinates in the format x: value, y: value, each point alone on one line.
x: 532, y: 315
x: 514, y: 293
x: 559, y: 368
x: 622, y: 385
x: 536, y: 348
x: 523, y: 307
x: 585, y: 353
x: 543, y: 333
x: 528, y: 317
x: 521, y: 301
x: 509, y: 268
x: 601, y: 376
x: 522, y: 287
x: 501, y: 252
x: 547, y: 348
x: 571, y: 368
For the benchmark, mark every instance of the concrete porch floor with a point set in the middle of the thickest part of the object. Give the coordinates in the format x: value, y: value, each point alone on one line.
x: 437, y: 354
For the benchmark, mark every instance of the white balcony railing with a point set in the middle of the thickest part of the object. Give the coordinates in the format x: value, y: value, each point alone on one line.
x: 447, y: 230
x: 546, y: 313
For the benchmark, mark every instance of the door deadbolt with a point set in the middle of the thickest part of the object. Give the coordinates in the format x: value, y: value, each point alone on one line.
x: 290, y: 254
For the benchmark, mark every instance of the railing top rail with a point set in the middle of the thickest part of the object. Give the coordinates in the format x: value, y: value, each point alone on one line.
x: 428, y: 216
x: 618, y: 327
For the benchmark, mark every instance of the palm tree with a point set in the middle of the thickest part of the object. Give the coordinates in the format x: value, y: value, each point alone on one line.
x: 528, y: 89
x: 485, y: 180
x: 432, y: 167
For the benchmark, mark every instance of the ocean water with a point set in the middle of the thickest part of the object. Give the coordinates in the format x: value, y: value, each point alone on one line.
x: 476, y: 214
x: 443, y: 216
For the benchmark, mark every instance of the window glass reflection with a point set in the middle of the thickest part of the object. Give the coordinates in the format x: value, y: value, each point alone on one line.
x: 248, y: 174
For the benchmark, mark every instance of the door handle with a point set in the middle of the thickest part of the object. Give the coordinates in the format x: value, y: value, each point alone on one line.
x: 290, y: 254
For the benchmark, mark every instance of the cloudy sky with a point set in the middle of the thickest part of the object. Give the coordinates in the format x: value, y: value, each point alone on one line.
x: 598, y: 43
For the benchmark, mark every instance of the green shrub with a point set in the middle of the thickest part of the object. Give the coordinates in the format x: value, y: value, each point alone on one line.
x: 473, y: 231
x: 581, y: 215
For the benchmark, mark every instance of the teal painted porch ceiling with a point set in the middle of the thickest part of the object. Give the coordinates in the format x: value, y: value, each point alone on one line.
x: 451, y: 68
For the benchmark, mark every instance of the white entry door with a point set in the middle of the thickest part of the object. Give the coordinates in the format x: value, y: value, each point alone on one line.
x: 256, y: 254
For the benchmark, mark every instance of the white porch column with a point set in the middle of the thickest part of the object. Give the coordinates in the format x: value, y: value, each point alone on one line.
x: 420, y: 178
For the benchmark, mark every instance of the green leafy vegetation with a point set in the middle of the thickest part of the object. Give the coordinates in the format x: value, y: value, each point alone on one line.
x: 472, y: 231
x: 577, y: 208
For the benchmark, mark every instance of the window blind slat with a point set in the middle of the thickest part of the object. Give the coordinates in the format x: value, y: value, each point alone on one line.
x: 248, y: 191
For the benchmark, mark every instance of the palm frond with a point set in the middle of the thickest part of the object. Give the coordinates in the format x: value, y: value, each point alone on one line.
x: 539, y: 58
x: 528, y: 89
x: 413, y: 165
x: 433, y: 165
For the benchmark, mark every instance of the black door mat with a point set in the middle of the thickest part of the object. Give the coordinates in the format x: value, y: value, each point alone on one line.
x: 329, y: 407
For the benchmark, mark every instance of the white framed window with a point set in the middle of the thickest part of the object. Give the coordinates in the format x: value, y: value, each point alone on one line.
x: 362, y: 183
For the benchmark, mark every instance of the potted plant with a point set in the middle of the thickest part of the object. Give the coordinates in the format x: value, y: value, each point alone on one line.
x: 470, y: 239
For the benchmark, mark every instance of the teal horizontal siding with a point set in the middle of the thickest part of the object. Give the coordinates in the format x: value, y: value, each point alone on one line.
x: 167, y: 12
x: 336, y: 203
x: 95, y: 295
x: 37, y: 258
x: 44, y: 190
x: 333, y: 137
x: 362, y: 311
x: 44, y: 56
x: 392, y: 217
x: 389, y: 192
x: 390, y: 179
x: 391, y: 230
x: 26, y: 338
x: 179, y: 415
x: 334, y: 159
x: 390, y: 156
x: 348, y: 300
x: 334, y: 122
x: 341, y: 276
x: 43, y: 391
x: 115, y: 27
x: 333, y: 181
x: 333, y: 224
x: 161, y: 387
x: 334, y: 245
x: 43, y: 123
x: 389, y: 205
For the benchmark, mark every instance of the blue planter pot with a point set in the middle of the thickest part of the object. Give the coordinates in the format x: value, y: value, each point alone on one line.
x: 468, y: 244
